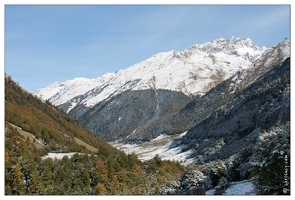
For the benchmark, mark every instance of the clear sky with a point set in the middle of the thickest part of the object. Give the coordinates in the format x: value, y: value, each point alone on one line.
x: 48, y: 43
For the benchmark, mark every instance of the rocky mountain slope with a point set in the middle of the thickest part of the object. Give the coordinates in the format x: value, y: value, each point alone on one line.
x: 218, y: 128
x: 189, y: 73
x: 202, y: 106
x: 238, y: 123
x: 122, y: 115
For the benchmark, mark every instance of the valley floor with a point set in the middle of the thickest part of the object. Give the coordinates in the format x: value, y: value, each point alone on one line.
x: 159, y: 146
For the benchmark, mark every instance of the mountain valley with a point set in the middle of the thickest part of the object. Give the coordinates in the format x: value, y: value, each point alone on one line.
x: 47, y: 152
x: 202, y: 119
x: 168, y: 93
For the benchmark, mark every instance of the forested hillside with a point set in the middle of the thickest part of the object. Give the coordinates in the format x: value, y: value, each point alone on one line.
x: 105, y: 171
x: 46, y: 121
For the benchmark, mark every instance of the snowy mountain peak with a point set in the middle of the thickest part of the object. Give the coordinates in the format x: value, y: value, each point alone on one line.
x: 236, y: 46
x: 192, y: 71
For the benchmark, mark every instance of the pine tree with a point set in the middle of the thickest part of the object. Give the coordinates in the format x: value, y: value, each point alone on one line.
x: 85, y: 178
x: 17, y: 184
x: 7, y: 174
x: 41, y: 188
x: 115, y: 186
x: 100, y: 189
x: 34, y: 185
x: 103, y: 172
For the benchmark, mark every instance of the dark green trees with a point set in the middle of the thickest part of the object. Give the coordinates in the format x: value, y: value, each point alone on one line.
x: 271, y: 162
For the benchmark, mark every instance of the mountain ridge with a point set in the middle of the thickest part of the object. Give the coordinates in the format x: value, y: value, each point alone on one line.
x: 159, y: 72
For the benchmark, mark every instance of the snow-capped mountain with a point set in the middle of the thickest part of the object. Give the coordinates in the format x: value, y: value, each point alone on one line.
x: 200, y: 108
x: 192, y: 71
x: 220, y: 124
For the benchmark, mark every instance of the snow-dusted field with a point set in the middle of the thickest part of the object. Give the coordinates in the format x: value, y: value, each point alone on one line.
x: 159, y: 146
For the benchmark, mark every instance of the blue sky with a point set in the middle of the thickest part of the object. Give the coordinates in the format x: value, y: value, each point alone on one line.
x: 48, y: 43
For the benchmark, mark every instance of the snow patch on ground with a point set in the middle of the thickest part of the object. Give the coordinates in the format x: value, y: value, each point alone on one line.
x: 244, y: 187
x: 210, y: 192
x: 181, y: 135
x: 59, y: 156
x: 162, y: 136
